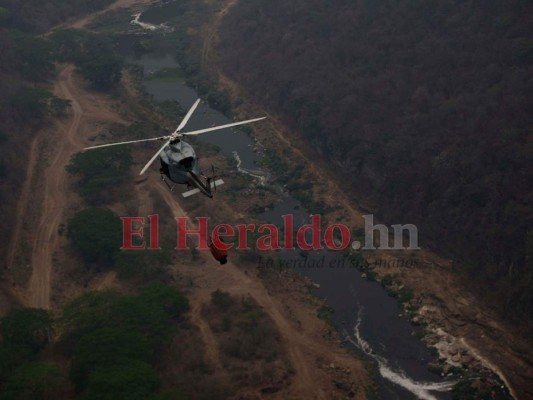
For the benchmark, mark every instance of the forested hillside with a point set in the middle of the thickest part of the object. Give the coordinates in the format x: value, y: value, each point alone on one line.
x: 26, y: 72
x: 424, y: 106
x: 39, y: 16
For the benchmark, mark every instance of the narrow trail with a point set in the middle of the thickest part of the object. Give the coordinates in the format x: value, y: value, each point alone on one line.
x: 22, y: 204
x: 302, y: 348
x: 54, y: 200
x: 198, y: 299
x: 71, y: 135
x: 211, y: 33
x: 231, y: 279
x: 208, y: 61
x: 208, y: 338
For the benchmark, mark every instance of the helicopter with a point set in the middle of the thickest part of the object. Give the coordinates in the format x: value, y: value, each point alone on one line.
x: 179, y: 162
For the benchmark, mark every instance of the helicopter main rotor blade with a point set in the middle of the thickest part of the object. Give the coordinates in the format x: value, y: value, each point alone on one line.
x: 154, y: 157
x: 198, y: 132
x: 131, y: 141
x: 187, y: 117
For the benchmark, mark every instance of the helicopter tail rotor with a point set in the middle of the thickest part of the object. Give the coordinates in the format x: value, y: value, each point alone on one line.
x: 212, y: 180
x: 213, y: 177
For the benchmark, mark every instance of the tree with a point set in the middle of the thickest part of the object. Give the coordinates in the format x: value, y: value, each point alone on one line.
x: 427, y: 107
x: 101, y: 172
x: 103, y: 71
x: 106, y: 347
x: 222, y: 299
x: 174, y: 394
x: 144, y: 265
x: 58, y: 106
x: 30, y: 105
x: 35, y: 381
x: 85, y: 314
x: 151, y: 313
x: 133, y: 381
x: 96, y: 234
x: 99, y: 63
x: 171, y: 300
x: 148, y: 318
x: 12, y: 356
x: 41, y: 15
x: 34, y: 54
x: 68, y: 44
x: 27, y: 327
x: 4, y: 15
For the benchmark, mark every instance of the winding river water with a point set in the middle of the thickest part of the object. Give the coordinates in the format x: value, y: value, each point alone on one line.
x: 367, y: 317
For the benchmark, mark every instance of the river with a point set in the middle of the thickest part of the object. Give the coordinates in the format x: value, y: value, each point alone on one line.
x: 367, y: 317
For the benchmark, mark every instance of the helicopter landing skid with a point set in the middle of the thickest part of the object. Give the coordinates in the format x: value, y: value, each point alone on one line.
x: 171, y: 188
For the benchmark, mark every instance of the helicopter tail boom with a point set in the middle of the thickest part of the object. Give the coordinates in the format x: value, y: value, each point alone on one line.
x: 189, y: 193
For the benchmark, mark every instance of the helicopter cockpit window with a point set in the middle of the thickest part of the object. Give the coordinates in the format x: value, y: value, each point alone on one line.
x: 187, y: 162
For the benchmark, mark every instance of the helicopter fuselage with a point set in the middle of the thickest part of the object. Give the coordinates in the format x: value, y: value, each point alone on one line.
x: 179, y: 164
x: 178, y: 160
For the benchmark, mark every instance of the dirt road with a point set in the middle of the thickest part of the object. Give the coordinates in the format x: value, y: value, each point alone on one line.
x: 22, y: 204
x: 70, y: 136
x: 302, y: 341
x: 210, y: 35
x: 67, y: 141
x: 53, y: 201
x: 303, y: 345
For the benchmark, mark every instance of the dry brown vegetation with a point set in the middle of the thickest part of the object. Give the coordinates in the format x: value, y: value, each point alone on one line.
x: 250, y: 348
x: 282, y: 354
x: 424, y: 110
